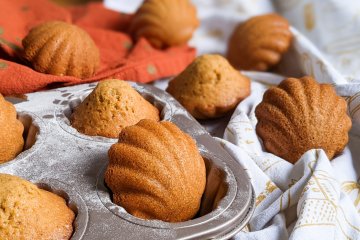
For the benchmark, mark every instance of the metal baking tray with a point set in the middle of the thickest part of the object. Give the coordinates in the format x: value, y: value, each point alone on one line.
x: 71, y: 164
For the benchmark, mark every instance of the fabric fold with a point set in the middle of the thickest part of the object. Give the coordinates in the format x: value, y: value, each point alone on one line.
x: 120, y: 56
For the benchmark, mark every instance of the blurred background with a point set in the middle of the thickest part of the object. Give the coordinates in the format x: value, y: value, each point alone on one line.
x: 73, y: 2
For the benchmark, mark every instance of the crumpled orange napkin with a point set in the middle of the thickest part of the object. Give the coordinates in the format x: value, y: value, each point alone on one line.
x: 120, y: 56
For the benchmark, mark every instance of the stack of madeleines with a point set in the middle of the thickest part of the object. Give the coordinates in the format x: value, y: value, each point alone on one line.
x: 155, y: 169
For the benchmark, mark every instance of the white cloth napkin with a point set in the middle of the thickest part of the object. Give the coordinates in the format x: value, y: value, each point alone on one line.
x: 125, y: 6
x: 315, y: 198
x: 334, y: 25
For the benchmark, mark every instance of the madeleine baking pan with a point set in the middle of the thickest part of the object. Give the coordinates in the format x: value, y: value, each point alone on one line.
x: 72, y: 165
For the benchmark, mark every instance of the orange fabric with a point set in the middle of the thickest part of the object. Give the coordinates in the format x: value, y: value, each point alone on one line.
x: 120, y: 56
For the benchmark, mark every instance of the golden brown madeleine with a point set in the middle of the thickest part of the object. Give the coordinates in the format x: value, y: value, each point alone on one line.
x: 110, y: 107
x: 165, y: 23
x: 259, y: 43
x: 11, y: 132
x: 156, y: 172
x: 301, y: 114
x: 62, y: 49
x: 209, y: 87
x: 28, y: 212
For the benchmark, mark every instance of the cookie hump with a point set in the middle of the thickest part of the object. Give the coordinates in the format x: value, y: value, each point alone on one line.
x: 61, y: 49
x: 28, y: 212
x: 301, y: 114
x: 209, y: 87
x: 259, y: 43
x: 11, y: 132
x: 165, y: 23
x: 156, y: 172
x: 110, y: 107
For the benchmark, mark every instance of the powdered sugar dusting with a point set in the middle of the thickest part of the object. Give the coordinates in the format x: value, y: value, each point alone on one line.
x: 61, y: 154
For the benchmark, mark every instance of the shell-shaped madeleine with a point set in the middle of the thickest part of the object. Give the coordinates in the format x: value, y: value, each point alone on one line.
x: 209, y: 87
x: 259, y: 43
x: 11, y: 130
x: 165, y: 23
x: 62, y: 49
x: 301, y: 114
x: 156, y: 172
x: 110, y: 107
